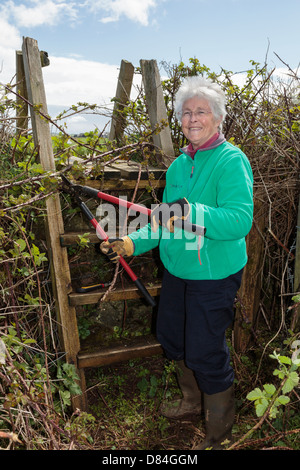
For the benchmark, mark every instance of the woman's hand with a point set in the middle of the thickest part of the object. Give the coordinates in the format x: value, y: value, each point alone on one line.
x: 114, y: 248
x: 166, y: 213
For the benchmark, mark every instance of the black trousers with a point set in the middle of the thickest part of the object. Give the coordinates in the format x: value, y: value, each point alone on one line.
x: 192, y: 319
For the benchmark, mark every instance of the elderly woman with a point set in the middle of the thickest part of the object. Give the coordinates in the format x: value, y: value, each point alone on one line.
x: 210, y: 183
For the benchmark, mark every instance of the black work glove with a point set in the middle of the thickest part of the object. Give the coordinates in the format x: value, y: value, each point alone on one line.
x: 166, y: 213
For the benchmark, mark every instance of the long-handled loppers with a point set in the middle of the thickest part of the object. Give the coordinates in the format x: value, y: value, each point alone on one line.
x: 94, y: 193
x: 73, y: 190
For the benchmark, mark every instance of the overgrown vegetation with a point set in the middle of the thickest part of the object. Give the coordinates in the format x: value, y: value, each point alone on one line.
x: 36, y: 383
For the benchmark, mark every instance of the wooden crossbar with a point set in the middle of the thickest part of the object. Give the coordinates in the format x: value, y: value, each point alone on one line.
x: 133, y: 349
x: 128, y: 293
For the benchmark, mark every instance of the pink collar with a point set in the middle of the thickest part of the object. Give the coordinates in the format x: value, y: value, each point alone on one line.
x: 192, y: 151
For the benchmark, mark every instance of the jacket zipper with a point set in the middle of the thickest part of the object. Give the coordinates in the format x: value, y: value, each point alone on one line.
x: 189, y: 183
x: 199, y: 239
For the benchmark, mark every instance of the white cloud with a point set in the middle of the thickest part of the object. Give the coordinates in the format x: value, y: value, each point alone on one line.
x: 10, y: 36
x: 30, y: 13
x: 135, y: 10
x: 68, y: 81
x: 76, y: 119
x: 16, y: 16
x: 48, y: 12
x: 9, y: 43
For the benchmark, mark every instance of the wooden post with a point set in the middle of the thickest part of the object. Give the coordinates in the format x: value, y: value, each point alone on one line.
x: 249, y: 291
x: 157, y: 109
x: 296, y: 316
x: 54, y: 223
x: 122, y: 97
x: 22, y: 107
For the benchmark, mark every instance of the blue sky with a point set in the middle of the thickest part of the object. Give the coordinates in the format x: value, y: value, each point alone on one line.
x: 86, y: 40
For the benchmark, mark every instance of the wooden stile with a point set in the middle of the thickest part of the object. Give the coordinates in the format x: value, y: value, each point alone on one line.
x: 121, y: 177
x: 58, y: 241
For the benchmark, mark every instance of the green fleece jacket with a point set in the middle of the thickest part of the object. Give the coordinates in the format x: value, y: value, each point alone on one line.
x: 218, y: 184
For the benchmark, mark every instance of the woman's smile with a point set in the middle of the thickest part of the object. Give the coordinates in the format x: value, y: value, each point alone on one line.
x: 198, y: 121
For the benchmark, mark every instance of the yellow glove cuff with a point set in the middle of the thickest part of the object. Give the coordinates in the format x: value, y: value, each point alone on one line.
x: 128, y: 246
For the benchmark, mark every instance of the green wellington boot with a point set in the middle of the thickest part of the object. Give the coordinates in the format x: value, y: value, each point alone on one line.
x: 219, y: 412
x: 190, y: 403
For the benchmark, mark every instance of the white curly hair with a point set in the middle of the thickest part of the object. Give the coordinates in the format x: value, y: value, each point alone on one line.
x: 202, y: 88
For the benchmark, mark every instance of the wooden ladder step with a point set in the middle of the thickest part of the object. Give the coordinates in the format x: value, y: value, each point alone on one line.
x: 143, y: 346
x: 123, y: 183
x: 128, y: 293
x: 132, y: 172
x: 72, y: 238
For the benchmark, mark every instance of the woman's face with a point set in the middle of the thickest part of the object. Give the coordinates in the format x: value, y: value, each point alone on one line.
x: 198, y: 122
